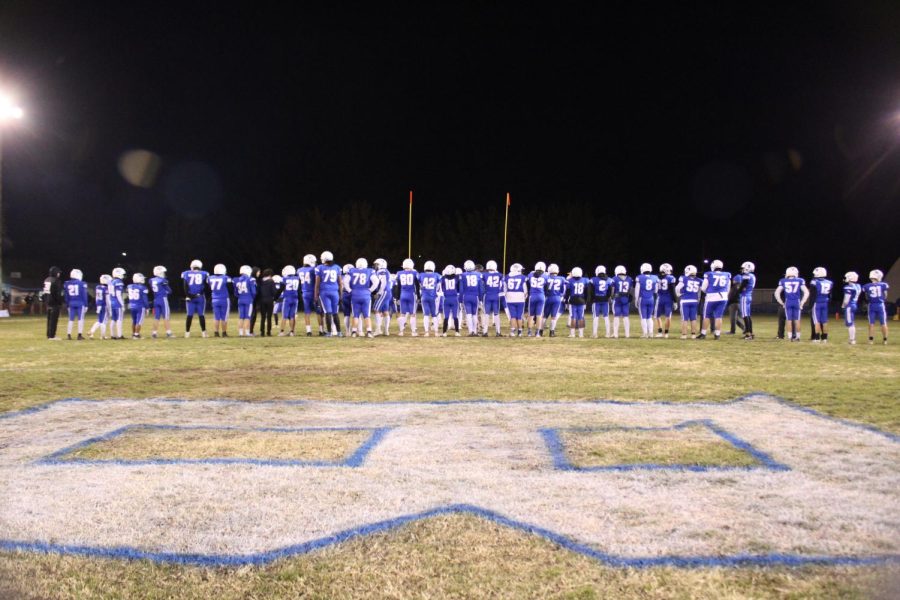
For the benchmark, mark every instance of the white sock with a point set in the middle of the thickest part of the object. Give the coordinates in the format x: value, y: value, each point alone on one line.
x: 401, y: 322
x: 102, y: 329
x: 627, y: 326
x: 387, y: 325
x: 581, y: 332
x: 94, y: 328
x: 119, y: 327
x: 412, y: 323
x: 615, y: 325
x: 427, y: 323
x: 851, y: 331
x: 378, y: 322
x: 553, y: 323
x: 497, y: 322
x: 596, y: 325
x: 606, y: 322
x: 309, y: 329
x: 81, y: 327
x: 69, y: 327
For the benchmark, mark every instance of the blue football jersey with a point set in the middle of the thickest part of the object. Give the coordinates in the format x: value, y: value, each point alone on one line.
x: 536, y: 284
x: 516, y: 288
x: 76, y: 293
x: 137, y: 296
x: 556, y: 286
x: 717, y: 285
x: 690, y: 288
x: 329, y: 277
x: 195, y: 280
x: 601, y: 288
x: 291, y: 285
x: 407, y: 279
x: 160, y: 288
x: 218, y: 285
x: 361, y: 281
x: 577, y: 289
x: 851, y: 294
x: 746, y: 282
x: 647, y: 285
x: 823, y: 289
x: 245, y: 289
x: 666, y: 287
x: 471, y: 283
x: 116, y: 293
x: 100, y: 295
x: 622, y: 285
x: 493, y: 285
x: 307, y: 277
x: 792, y: 289
x: 876, y: 293
x: 450, y: 286
x: 429, y: 282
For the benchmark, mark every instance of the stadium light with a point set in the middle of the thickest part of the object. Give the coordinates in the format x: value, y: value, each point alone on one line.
x: 8, y: 112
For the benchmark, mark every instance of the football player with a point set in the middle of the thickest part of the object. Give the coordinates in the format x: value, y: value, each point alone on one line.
x: 290, y: 300
x: 852, y: 290
x: 194, y: 282
x: 219, y: 285
x: 307, y: 275
x: 327, y: 291
x: 100, y: 293
x: 746, y: 283
x: 116, y: 299
x: 493, y: 290
x: 361, y: 282
x: 138, y: 301
x: 556, y: 290
x: 429, y: 281
x: 821, y: 291
x: 578, y: 296
x: 537, y: 297
x: 245, y: 290
x: 876, y: 292
x: 621, y: 289
x: 516, y: 294
x: 159, y: 286
x: 716, y: 285
x: 688, y: 292
x: 408, y: 283
x: 76, y: 298
x: 792, y: 294
x: 646, y: 287
x: 601, y: 290
x: 449, y: 289
x: 665, y: 300
x: 383, y: 297
x: 471, y: 286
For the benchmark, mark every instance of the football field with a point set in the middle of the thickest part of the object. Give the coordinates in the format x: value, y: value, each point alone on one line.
x: 448, y: 467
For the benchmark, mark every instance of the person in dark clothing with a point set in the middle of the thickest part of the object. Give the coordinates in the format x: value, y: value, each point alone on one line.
x: 255, y: 275
x: 734, y: 309
x: 266, y: 294
x: 53, y: 296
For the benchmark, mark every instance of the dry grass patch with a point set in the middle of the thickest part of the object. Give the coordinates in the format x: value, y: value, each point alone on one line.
x: 148, y: 443
x: 694, y: 445
x: 453, y: 556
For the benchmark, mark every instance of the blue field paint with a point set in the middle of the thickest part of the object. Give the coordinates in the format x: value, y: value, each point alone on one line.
x: 561, y: 462
x: 744, y: 398
x: 355, y: 459
x: 613, y: 560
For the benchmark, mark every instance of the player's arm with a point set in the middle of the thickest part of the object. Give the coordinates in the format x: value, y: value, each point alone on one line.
x: 846, y: 301
x: 376, y: 283
x: 778, y: 297
x: 637, y: 294
x: 184, y: 284
x: 805, y: 297
x: 704, y: 285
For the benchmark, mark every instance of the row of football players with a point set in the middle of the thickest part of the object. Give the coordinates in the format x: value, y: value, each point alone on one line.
x: 541, y: 295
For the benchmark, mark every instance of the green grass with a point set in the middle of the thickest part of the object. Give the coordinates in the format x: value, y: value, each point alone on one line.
x: 452, y: 556
x: 695, y: 445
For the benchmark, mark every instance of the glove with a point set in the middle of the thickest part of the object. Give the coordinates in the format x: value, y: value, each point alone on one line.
x: 674, y: 306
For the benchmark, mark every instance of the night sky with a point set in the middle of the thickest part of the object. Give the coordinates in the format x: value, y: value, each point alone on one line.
x: 750, y: 132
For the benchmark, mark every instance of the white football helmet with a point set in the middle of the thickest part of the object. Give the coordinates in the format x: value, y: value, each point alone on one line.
x: 159, y: 271
x: 137, y: 278
x: 540, y: 266
x: 820, y: 272
x: 196, y: 264
x: 748, y: 267
x: 576, y: 271
x: 76, y: 274
x: 665, y: 269
x: 288, y: 270
x: 362, y: 263
x: 346, y: 268
x: 690, y: 270
x: 449, y: 270
x: 105, y: 279
x: 621, y: 270
x: 408, y: 264
x: 379, y: 263
x: 469, y: 265
x: 515, y: 269
x: 277, y: 278
x: 246, y: 270
x: 491, y: 265
x: 118, y: 273
x: 600, y: 270
x: 792, y: 272
x: 429, y: 265
x: 459, y: 271
x: 716, y: 265
x: 851, y: 276
x: 219, y: 269
x: 309, y: 260
x: 646, y: 268
x: 327, y: 257
x: 876, y: 275
x: 553, y: 269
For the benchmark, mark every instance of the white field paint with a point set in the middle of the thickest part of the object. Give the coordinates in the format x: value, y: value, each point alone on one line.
x: 841, y: 496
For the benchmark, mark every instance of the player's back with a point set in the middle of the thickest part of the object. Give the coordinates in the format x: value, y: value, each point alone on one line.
x: 793, y: 289
x: 407, y: 279
x: 359, y: 280
x: 536, y: 284
x: 218, y: 285
x: 823, y: 289
x: 690, y: 288
x: 852, y: 292
x: 666, y: 287
x: 307, y: 277
x: 717, y: 285
x: 556, y: 286
x: 516, y: 288
x: 160, y: 288
x: 876, y: 292
x: 428, y: 283
x: 470, y: 283
x: 622, y: 286
x: 450, y: 286
x: 196, y: 281
x: 647, y: 285
x: 75, y: 291
x: 493, y: 284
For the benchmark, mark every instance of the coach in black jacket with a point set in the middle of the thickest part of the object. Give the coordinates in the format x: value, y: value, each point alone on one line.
x: 53, y: 295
